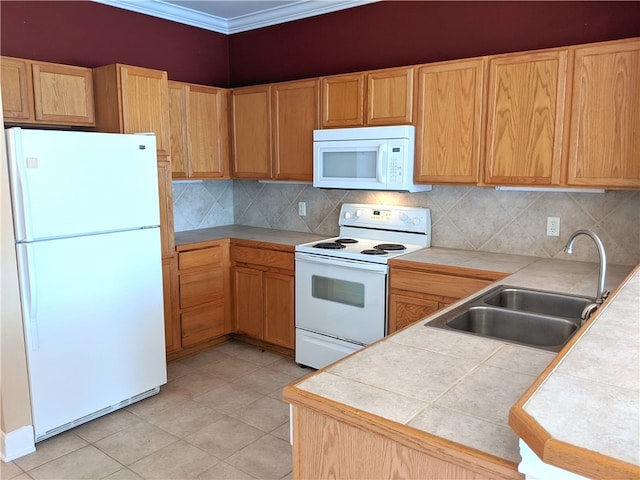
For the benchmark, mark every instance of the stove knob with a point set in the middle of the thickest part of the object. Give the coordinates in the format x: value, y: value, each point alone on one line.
x: 347, y: 215
x: 358, y: 212
x: 415, y: 220
x: 405, y: 217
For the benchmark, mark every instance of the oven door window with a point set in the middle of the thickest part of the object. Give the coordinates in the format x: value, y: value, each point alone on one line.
x: 337, y: 290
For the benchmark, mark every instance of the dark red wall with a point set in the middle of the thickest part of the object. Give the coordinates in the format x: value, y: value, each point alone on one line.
x: 394, y: 33
x: 378, y: 35
x: 90, y: 34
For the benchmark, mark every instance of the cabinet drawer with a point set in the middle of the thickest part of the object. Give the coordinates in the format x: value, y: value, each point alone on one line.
x: 263, y: 257
x: 211, y: 256
x: 436, y: 284
x: 202, y: 323
x: 200, y: 287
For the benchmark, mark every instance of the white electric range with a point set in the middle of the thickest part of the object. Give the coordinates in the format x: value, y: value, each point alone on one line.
x: 341, y: 282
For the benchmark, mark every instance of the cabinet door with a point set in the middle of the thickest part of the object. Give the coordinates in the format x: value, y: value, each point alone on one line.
x: 251, y: 132
x: 295, y: 116
x: 145, y: 104
x: 525, y: 118
x: 171, y: 317
x: 202, y: 323
x: 63, y: 94
x: 279, y: 309
x: 605, y: 116
x: 165, y: 195
x: 17, y: 90
x: 449, y: 122
x: 248, y: 301
x: 208, y: 132
x: 178, y: 120
x: 343, y: 100
x: 405, y: 310
x: 390, y: 97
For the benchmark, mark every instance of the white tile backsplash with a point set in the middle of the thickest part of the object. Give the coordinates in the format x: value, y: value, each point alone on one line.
x: 472, y: 218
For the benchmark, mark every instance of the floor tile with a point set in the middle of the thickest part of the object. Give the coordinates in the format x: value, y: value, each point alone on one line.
x: 224, y: 437
x: 283, y: 432
x: 228, y: 398
x: 224, y: 471
x: 179, y: 460
x: 162, y: 401
x: 185, y: 418
x: 194, y: 383
x: 9, y: 470
x: 86, y: 463
x: 266, y: 413
x: 229, y: 369
x: 266, y: 458
x: 265, y: 380
x: 123, y: 474
x: 51, y: 449
x: 108, y: 425
x: 136, y: 442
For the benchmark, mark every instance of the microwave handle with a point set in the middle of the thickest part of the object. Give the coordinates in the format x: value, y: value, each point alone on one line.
x: 382, y: 151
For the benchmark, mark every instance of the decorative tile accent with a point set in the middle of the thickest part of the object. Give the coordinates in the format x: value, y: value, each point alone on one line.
x: 471, y: 218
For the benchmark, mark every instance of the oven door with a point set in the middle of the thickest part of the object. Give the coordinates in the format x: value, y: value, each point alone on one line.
x: 341, y: 298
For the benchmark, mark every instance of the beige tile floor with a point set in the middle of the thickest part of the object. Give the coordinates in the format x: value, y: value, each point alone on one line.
x: 220, y: 416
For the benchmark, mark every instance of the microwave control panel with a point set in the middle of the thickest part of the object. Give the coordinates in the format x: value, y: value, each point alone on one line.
x: 395, y: 170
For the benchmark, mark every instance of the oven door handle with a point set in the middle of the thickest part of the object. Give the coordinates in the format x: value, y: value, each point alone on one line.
x: 322, y: 260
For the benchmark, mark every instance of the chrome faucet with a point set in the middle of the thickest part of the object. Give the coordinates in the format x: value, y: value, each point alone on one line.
x: 601, y: 294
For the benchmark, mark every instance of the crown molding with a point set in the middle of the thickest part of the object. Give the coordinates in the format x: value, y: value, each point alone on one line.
x: 265, y: 18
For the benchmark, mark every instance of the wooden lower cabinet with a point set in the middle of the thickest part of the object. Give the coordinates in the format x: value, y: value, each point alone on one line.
x: 263, y: 294
x: 203, y: 292
x: 417, y: 290
x: 325, y: 446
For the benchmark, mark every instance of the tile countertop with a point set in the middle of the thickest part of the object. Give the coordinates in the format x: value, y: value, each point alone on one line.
x: 461, y: 387
x: 267, y: 235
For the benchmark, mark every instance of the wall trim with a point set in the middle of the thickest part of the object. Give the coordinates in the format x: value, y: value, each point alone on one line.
x: 17, y: 443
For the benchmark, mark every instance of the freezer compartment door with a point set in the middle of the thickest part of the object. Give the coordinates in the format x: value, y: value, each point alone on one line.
x: 94, y: 323
x: 74, y: 183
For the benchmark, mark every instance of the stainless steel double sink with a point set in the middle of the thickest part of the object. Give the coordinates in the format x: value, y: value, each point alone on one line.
x: 523, y: 316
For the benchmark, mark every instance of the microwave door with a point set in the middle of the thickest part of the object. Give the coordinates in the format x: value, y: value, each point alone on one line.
x: 350, y: 164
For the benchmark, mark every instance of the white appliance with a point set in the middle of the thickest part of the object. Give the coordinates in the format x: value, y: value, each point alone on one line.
x: 86, y: 219
x: 341, y: 282
x: 368, y: 158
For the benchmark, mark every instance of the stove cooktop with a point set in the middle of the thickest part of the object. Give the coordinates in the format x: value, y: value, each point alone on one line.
x: 375, y: 233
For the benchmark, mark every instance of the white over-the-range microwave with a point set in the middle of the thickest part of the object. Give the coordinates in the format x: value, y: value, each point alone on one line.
x: 367, y: 158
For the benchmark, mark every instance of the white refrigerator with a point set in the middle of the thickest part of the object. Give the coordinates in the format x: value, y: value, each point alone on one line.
x: 86, y: 219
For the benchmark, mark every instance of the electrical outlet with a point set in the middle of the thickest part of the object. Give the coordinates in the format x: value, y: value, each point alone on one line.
x: 302, y: 209
x: 553, y: 226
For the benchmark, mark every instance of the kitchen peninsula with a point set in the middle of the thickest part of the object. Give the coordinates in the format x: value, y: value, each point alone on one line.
x: 427, y: 403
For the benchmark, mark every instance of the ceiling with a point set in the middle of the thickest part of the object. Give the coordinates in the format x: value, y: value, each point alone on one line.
x: 233, y: 16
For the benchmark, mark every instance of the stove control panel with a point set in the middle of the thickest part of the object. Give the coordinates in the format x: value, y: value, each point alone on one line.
x: 382, y: 217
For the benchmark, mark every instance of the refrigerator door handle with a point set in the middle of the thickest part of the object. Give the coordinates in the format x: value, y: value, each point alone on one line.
x: 22, y: 206
x: 29, y: 295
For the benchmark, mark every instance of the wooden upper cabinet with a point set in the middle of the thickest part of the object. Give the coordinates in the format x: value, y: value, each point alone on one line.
x: 526, y: 105
x: 46, y: 93
x: 251, y: 132
x: 604, y: 146
x: 295, y: 114
x: 449, y: 121
x: 390, y: 97
x: 379, y: 97
x: 63, y: 94
x: 17, y: 90
x: 199, y: 131
x: 133, y: 100
x: 342, y: 100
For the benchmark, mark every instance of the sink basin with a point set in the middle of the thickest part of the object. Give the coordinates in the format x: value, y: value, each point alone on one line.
x: 546, y: 303
x: 521, y: 327
x: 535, y: 318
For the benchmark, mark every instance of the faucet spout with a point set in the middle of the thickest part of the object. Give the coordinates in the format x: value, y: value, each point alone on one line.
x: 601, y: 294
